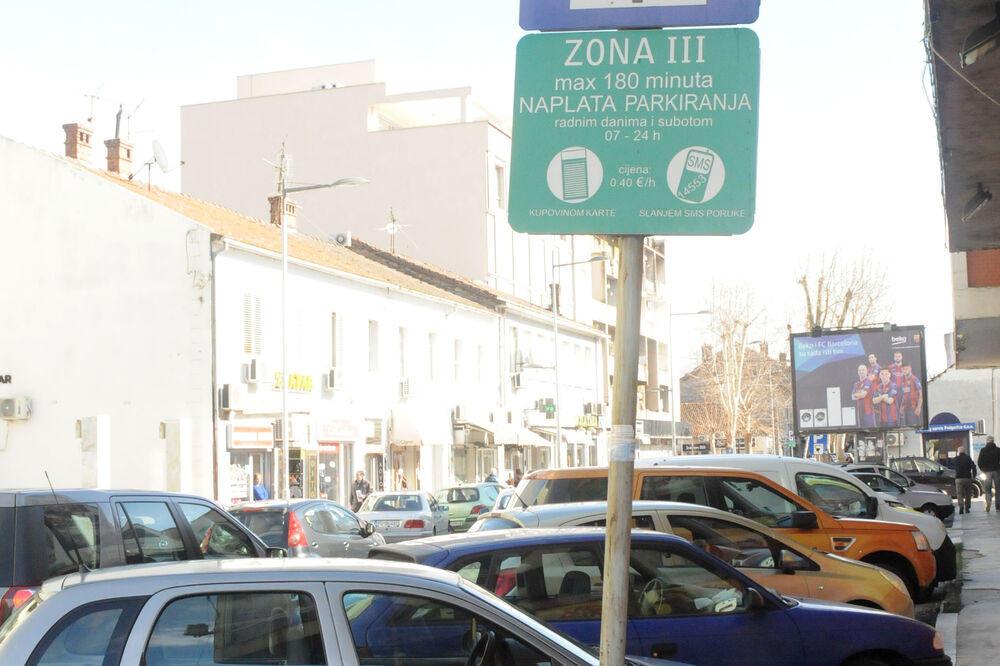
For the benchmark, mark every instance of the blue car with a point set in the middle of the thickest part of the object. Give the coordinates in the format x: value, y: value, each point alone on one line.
x: 684, y: 604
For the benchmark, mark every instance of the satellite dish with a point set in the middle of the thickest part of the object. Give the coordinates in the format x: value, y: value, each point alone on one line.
x: 160, y: 156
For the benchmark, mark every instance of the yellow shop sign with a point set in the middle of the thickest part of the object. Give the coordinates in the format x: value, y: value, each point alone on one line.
x: 297, y: 383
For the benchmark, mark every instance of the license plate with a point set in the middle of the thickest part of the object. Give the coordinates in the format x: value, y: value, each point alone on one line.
x: 387, y: 523
x: 453, y: 523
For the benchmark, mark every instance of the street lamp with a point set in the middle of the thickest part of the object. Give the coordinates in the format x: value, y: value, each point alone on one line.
x: 283, y: 191
x: 673, y: 388
x: 555, y: 341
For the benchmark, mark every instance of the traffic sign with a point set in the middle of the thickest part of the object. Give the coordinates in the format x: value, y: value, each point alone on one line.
x: 596, y: 14
x: 638, y: 132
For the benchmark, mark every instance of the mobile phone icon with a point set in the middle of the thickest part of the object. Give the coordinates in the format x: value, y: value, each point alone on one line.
x: 574, y: 174
x: 694, y: 178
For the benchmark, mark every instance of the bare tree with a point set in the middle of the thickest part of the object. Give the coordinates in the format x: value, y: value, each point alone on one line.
x: 841, y: 294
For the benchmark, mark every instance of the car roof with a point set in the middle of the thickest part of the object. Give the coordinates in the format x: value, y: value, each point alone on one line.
x: 592, y: 472
x: 421, y: 549
x: 192, y: 572
x: 280, y: 504
x: 45, y: 496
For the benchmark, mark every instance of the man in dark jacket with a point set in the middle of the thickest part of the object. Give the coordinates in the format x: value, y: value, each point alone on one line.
x: 360, y: 491
x: 989, y: 464
x: 965, y: 472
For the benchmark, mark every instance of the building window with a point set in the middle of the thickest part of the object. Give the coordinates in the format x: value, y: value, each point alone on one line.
x: 251, y: 323
x: 500, y: 175
x: 431, y: 353
x: 372, y: 345
x: 402, y: 351
x: 334, y: 340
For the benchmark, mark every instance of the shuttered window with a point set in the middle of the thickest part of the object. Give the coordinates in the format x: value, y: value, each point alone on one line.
x: 251, y: 324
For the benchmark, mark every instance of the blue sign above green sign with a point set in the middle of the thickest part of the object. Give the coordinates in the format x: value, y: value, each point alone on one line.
x: 596, y: 14
x: 640, y: 132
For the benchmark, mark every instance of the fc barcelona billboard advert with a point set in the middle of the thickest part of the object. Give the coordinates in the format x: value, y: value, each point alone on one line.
x: 859, y: 379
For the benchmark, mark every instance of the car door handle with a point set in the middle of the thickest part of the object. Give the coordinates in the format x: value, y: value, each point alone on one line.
x: 662, y: 650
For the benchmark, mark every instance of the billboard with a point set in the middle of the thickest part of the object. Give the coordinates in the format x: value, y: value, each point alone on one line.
x: 859, y: 379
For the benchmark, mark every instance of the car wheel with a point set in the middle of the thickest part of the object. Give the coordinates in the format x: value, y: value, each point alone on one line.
x: 929, y: 509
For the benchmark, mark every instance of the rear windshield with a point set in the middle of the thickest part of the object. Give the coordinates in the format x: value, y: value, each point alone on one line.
x: 392, y: 503
x: 268, y: 524
x: 562, y: 491
x: 54, y: 539
x: 6, y: 546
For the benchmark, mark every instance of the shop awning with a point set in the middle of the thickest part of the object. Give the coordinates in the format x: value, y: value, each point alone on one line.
x: 413, y: 426
x: 569, y: 435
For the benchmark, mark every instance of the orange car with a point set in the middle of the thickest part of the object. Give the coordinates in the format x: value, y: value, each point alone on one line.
x: 896, y: 547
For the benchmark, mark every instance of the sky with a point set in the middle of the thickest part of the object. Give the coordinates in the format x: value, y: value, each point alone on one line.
x: 847, y: 147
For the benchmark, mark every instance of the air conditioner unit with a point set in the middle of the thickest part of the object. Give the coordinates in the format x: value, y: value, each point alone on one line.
x: 333, y: 379
x: 343, y: 238
x: 406, y: 388
x: 15, y: 409
x: 518, y: 380
x: 588, y: 408
x: 892, y: 439
x: 225, y: 398
x: 255, y: 371
x: 980, y: 426
x: 599, y: 408
x: 461, y: 414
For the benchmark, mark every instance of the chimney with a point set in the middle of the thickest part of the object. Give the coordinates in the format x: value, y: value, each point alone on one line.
x: 291, y: 210
x: 119, y: 157
x: 78, y: 136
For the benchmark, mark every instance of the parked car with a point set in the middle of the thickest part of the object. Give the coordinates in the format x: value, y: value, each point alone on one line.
x: 933, y: 502
x: 292, y: 611
x: 838, y: 493
x: 902, y: 549
x: 466, y: 502
x: 892, y: 475
x: 770, y: 558
x: 503, y: 499
x: 683, y: 602
x: 309, y: 527
x: 404, y: 514
x: 931, y: 472
x: 46, y: 533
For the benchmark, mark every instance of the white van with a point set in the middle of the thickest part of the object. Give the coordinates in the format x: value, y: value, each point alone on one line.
x: 832, y: 489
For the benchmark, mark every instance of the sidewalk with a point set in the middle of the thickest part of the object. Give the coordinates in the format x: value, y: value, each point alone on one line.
x: 972, y: 636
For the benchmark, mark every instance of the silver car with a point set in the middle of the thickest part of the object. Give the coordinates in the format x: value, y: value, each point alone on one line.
x: 407, y: 514
x: 932, y: 502
x: 285, y: 611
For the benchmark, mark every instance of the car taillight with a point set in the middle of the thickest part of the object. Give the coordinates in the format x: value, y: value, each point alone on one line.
x: 14, y: 598
x: 413, y: 524
x: 296, y: 536
x: 478, y: 509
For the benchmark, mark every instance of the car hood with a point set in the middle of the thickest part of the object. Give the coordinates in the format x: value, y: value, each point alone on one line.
x: 931, y: 526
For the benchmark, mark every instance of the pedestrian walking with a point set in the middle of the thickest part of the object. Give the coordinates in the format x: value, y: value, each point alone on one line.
x: 361, y: 490
x: 989, y: 464
x: 965, y: 472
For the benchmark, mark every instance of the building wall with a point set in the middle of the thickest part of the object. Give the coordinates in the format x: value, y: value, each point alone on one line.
x: 106, y: 313
x: 438, y: 383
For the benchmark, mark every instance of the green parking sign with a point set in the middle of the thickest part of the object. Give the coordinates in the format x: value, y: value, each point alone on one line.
x: 648, y: 132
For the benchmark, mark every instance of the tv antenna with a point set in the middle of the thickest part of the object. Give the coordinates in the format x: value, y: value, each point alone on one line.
x: 128, y: 123
x: 93, y: 98
x: 160, y: 159
x: 392, y: 227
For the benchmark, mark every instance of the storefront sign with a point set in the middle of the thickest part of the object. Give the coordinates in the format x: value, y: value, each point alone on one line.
x: 296, y: 383
x: 588, y: 421
x: 339, y: 430
x: 253, y: 437
x: 6, y: 379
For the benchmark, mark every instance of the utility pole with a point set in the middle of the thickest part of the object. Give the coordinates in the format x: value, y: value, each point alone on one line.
x: 621, y: 461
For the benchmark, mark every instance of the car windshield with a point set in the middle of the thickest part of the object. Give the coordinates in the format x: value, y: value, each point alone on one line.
x: 392, y: 503
x: 562, y: 491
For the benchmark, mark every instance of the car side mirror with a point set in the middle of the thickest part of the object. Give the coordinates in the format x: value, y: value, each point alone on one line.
x: 790, y: 563
x: 804, y: 520
x: 871, y: 504
x: 273, y: 551
x: 757, y: 602
x: 367, y: 530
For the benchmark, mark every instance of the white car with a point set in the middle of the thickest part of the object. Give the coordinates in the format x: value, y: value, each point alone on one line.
x: 405, y: 514
x: 277, y: 611
x: 826, y: 486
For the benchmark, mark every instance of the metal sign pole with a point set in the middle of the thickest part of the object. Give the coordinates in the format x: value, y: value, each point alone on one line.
x: 621, y: 461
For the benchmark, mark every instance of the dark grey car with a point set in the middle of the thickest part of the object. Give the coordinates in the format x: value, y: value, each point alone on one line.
x: 46, y: 533
x: 933, y: 502
x: 309, y: 527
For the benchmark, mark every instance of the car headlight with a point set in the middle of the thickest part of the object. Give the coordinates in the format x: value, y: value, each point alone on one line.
x: 920, y: 540
x: 896, y: 505
x: 945, y: 492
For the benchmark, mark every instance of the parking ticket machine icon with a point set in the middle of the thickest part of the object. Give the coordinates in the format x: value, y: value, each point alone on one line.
x: 574, y: 174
